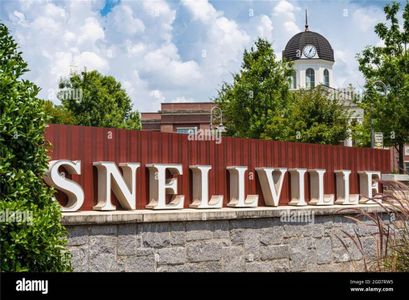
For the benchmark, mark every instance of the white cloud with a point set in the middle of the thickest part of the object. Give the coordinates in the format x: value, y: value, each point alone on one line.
x: 161, y: 18
x: 132, y: 43
x: 47, y: 25
x: 166, y: 64
x: 284, y: 7
x: 223, y: 43
x: 157, y: 95
x: 135, y: 49
x: 148, y: 47
x: 53, y: 38
x: 124, y: 21
x: 62, y: 63
x: 201, y: 10
x: 265, y: 27
x: 90, y: 32
x: 285, y: 11
x: 91, y: 61
x: 158, y: 98
x: 182, y: 100
x: 365, y: 19
x: 18, y: 17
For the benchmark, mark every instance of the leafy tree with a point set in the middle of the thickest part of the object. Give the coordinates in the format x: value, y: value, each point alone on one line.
x: 133, y: 121
x: 98, y: 100
x: 259, y: 104
x: 314, y: 117
x: 387, y: 80
x: 58, y: 114
x: 361, y: 133
x: 258, y: 94
x: 36, y: 243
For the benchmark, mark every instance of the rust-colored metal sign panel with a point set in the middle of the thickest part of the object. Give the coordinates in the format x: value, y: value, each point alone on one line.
x: 90, y: 145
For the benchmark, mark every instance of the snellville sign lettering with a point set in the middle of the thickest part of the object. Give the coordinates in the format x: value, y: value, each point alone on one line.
x: 163, y: 191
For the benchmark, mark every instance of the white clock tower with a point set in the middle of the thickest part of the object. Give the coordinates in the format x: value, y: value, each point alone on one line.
x: 313, y: 58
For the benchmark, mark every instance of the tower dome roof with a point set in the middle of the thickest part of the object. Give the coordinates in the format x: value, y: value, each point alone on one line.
x: 300, y: 40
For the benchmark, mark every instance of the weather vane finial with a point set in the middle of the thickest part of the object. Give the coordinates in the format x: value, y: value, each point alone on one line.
x: 306, y: 20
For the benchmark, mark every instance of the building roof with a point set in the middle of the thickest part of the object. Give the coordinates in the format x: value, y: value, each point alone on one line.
x: 177, y: 114
x: 173, y: 107
x: 300, y: 40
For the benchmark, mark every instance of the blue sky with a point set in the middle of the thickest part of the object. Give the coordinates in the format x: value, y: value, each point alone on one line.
x: 175, y: 51
x: 108, y: 6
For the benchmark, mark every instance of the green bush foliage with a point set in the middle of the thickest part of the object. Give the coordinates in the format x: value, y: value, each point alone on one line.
x: 35, y: 244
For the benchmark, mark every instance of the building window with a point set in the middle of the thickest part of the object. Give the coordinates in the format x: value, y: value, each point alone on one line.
x: 186, y: 130
x: 293, y: 81
x: 310, y: 78
x: 326, y: 77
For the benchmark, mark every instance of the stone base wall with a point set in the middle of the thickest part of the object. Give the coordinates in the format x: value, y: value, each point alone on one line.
x: 239, y: 245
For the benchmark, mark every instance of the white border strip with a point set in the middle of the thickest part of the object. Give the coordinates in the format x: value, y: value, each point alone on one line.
x: 151, y: 216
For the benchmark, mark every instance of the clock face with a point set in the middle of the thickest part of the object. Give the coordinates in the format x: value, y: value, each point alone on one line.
x: 309, y: 51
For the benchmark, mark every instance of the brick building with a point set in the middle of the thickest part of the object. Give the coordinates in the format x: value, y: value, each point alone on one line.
x: 178, y: 117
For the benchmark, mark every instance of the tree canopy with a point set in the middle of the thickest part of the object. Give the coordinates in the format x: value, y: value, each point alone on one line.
x: 98, y: 100
x: 385, y: 69
x: 58, y: 114
x: 259, y: 103
x: 314, y: 117
x: 258, y: 94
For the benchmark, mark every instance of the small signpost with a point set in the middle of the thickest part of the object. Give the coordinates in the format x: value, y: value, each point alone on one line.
x: 378, y: 140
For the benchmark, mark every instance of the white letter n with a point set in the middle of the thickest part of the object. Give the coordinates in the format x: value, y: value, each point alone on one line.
x: 124, y: 187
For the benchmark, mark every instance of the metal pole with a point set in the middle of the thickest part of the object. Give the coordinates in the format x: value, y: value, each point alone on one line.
x: 212, y: 117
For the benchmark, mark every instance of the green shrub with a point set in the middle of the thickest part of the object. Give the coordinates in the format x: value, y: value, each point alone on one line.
x: 39, y: 244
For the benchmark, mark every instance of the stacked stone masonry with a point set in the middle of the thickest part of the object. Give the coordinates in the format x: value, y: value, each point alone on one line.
x: 241, y: 245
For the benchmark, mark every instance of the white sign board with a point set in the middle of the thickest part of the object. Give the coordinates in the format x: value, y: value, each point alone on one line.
x: 378, y: 140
